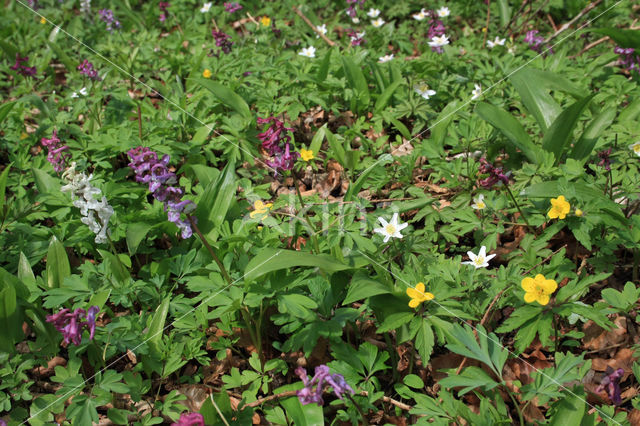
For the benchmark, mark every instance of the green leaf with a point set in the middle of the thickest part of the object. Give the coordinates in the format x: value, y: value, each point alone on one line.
x: 24, y: 269
x: 62, y: 56
x: 216, y: 199
x: 297, y: 305
x: 413, y: 381
x: 570, y: 409
x: 3, y: 185
x: 57, y: 264
x: 156, y: 328
x: 441, y: 125
x: 354, y: 188
x: 582, y: 149
x: 505, y: 12
x: 357, y: 82
x: 424, y: 340
x: 201, y: 134
x: 44, y: 182
x: 394, y: 321
x: 336, y: 147
x: 303, y: 415
x: 316, y: 142
x: 386, y: 95
x: 323, y: 69
x: 560, y: 133
x: 227, y: 97
x: 5, y: 109
x: 623, y: 38
x: 269, y: 259
x: 511, y: 128
x: 470, y: 378
x: 117, y: 268
x: 10, y: 323
x: 363, y: 287
x: 100, y: 298
x: 136, y: 232
x: 630, y: 112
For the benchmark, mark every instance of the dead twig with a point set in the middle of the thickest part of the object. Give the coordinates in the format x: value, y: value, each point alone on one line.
x: 590, y: 46
x: 583, y: 12
x: 313, y: 27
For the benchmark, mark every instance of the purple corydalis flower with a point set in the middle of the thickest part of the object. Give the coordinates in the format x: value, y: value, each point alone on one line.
x: 276, y: 142
x: 222, y: 40
x: 72, y: 324
x: 356, y: 38
x: 535, y: 42
x: 610, y: 384
x: 107, y: 16
x: 232, y: 6
x: 56, y: 155
x: 496, y: 174
x: 23, y: 69
x: 163, y: 6
x: 630, y: 61
x: 190, y: 419
x: 87, y: 69
x: 605, y: 160
x: 154, y: 172
x: 322, y: 377
x: 353, y: 4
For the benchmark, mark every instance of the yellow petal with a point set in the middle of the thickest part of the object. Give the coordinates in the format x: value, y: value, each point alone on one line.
x: 413, y: 303
x: 428, y: 296
x: 258, y: 205
x: 529, y: 297
x: 528, y: 284
x: 553, y: 214
x: 543, y: 299
x: 412, y: 293
x: 420, y: 287
x: 549, y: 286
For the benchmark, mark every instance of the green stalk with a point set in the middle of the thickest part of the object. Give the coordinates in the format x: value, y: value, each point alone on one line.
x: 518, y: 207
x: 314, y: 237
x: 364, y: 419
x: 223, y: 270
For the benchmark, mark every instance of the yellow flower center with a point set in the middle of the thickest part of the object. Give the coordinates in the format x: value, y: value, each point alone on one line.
x: 636, y: 148
x: 480, y: 204
x: 479, y: 260
x: 390, y: 229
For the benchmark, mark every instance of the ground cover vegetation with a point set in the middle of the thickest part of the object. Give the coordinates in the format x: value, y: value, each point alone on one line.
x: 323, y: 212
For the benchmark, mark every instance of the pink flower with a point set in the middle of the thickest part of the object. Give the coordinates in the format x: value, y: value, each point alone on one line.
x: 190, y: 419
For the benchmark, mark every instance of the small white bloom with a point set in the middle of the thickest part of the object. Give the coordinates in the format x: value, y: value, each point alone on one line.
x: 476, y: 92
x: 390, y: 229
x: 481, y: 260
x: 424, y: 91
x: 439, y: 41
x: 496, y: 42
x: 373, y: 13
x: 478, y: 202
x: 377, y: 22
x: 512, y: 50
x: 206, y: 7
x: 309, y: 52
x: 420, y: 15
x: 82, y: 92
x: 635, y: 148
x: 443, y: 12
x: 385, y: 58
x: 322, y: 28
x: 355, y: 20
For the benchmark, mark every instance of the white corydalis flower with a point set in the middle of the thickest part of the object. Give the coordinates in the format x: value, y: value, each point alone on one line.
x: 205, y: 7
x: 424, y: 91
x: 478, y: 202
x: 443, y: 12
x: 496, y: 42
x: 420, y: 15
x: 390, y: 229
x: 373, y: 13
x: 477, y: 92
x: 378, y: 22
x: 322, y: 29
x: 635, y: 148
x: 82, y: 192
x: 439, y: 41
x: 82, y: 92
x: 385, y: 58
x: 309, y: 52
x: 481, y: 260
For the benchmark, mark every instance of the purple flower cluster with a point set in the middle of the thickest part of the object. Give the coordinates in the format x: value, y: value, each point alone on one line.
x: 163, y: 6
x: 356, y: 38
x: 605, y: 159
x: 149, y: 169
x: 611, y: 384
x: 308, y: 394
x: 276, y: 142
x: 71, y: 324
x: 629, y: 59
x: 56, y: 155
x: 353, y: 4
x: 534, y: 41
x: 232, y: 6
x: 21, y: 68
x: 190, y: 419
x: 87, y: 69
x: 436, y: 29
x: 107, y: 16
x: 495, y: 174
x: 222, y: 40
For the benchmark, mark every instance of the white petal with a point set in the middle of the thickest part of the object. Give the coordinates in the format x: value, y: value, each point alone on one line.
x: 488, y: 258
x: 401, y: 226
x: 394, y: 220
x: 482, y: 252
x: 383, y: 222
x: 471, y: 255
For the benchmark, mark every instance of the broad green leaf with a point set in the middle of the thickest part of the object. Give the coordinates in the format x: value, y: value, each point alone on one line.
x: 201, y: 134
x: 62, y: 56
x: 354, y: 188
x: 204, y: 174
x: 136, y: 232
x: 156, y: 328
x: 357, y: 82
x: 469, y: 379
x: 560, y: 133
x: 413, y: 381
x: 630, y: 112
x: 582, y: 149
x: 394, y: 321
x: 442, y: 123
x: 323, y: 69
x: 44, y: 182
x: 216, y: 199
x: 570, y: 409
x: 5, y: 109
x: 303, y: 415
x: 362, y: 287
x: 10, y: 324
x: 511, y: 128
x: 24, y: 269
x: 269, y: 259
x: 297, y: 305
x: 227, y: 97
x: 99, y: 299
x: 3, y: 185
x: 336, y: 147
x: 316, y: 142
x: 505, y: 12
x: 58, y: 267
x: 386, y: 95
x: 117, y: 268
x: 623, y: 38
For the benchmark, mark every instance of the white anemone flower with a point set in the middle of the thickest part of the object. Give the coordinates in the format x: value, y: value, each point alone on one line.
x: 420, y: 15
x: 443, y: 12
x: 355, y: 20
x: 481, y: 260
x: 496, y: 42
x: 390, y: 229
x: 205, y: 7
x: 477, y: 92
x: 385, y: 58
x: 82, y: 92
x: 635, y: 148
x: 377, y: 22
x: 439, y: 41
x: 373, y: 13
x: 424, y: 91
x: 478, y: 202
x: 309, y: 52
x: 321, y: 28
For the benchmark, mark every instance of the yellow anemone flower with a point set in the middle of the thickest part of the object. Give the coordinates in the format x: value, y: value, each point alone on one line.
x: 265, y: 20
x: 206, y: 73
x: 306, y: 154
x: 559, y: 208
x: 260, y: 209
x: 538, y: 289
x: 418, y: 295
x: 43, y: 20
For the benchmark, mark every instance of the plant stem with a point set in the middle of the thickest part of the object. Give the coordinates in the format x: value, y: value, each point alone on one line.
x: 312, y: 234
x: 516, y: 405
x: 364, y: 419
x: 255, y: 334
x: 223, y: 270
x: 518, y: 207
